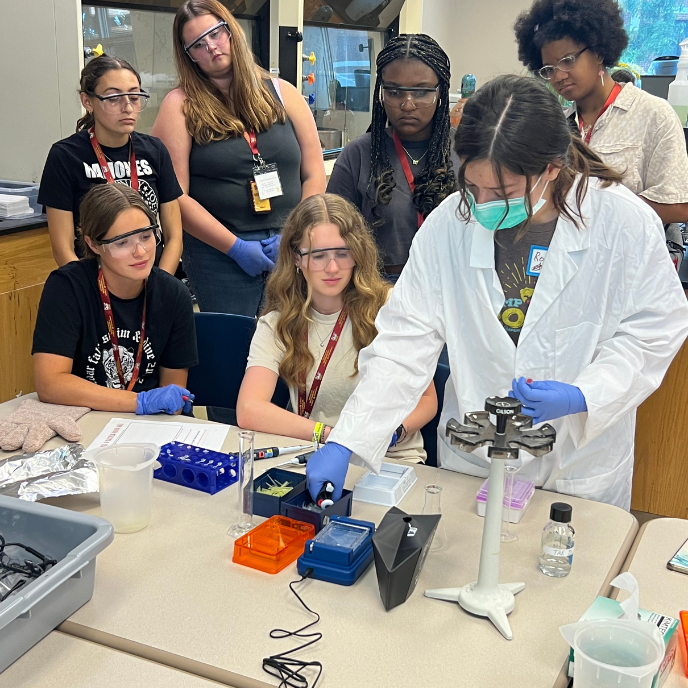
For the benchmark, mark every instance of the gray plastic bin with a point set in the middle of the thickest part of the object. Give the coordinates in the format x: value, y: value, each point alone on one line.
x: 22, y: 189
x: 74, y: 540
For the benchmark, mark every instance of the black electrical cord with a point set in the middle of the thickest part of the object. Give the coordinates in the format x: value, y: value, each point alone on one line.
x: 30, y: 569
x: 289, y: 669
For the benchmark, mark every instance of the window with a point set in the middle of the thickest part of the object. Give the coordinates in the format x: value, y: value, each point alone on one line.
x: 144, y: 39
x: 655, y: 28
x: 344, y: 72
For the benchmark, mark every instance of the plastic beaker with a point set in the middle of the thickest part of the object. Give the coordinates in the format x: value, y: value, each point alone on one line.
x: 614, y: 653
x: 125, y: 477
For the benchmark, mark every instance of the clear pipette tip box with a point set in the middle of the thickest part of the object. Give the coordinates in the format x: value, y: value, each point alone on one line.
x: 388, y: 488
x: 522, y: 493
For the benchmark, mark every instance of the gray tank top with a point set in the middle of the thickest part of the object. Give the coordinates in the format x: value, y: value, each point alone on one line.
x: 219, y: 174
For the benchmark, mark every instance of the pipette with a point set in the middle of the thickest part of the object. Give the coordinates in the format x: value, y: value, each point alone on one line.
x: 272, y: 452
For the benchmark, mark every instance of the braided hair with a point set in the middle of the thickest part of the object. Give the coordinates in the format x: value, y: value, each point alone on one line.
x: 437, y: 180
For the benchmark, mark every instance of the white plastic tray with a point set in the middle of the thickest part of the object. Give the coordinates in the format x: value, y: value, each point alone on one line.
x: 386, y: 489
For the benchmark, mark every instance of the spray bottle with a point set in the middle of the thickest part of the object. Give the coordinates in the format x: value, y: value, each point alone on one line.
x: 678, y: 89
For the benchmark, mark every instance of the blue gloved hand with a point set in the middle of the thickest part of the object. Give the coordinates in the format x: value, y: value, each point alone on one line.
x: 547, y: 399
x: 271, y: 247
x: 167, y: 399
x: 394, y: 441
x: 330, y: 462
x: 250, y: 256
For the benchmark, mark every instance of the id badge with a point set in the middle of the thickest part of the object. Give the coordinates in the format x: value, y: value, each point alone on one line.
x: 267, y: 181
x: 258, y: 205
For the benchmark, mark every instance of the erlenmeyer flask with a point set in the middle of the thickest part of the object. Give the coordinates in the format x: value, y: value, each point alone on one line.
x: 433, y: 492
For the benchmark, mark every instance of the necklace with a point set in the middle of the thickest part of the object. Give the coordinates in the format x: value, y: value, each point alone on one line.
x: 322, y: 339
x: 415, y: 162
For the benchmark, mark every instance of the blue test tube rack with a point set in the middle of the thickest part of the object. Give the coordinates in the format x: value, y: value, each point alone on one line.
x: 200, y: 469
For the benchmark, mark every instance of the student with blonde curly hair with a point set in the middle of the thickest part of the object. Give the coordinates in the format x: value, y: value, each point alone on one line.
x: 321, y: 303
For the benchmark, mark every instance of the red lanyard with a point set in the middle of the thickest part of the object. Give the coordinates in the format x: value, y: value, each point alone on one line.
x: 252, y: 141
x: 306, y: 405
x: 612, y: 97
x: 133, y: 173
x: 112, y: 331
x: 401, y: 154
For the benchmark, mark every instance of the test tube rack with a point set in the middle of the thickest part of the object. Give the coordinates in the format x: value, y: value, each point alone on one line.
x: 200, y: 469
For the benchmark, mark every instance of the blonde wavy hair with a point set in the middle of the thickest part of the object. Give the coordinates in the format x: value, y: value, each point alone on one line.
x: 288, y: 292
x: 212, y: 115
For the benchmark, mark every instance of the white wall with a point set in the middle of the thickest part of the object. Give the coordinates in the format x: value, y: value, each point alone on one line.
x: 41, y: 58
x: 477, y: 35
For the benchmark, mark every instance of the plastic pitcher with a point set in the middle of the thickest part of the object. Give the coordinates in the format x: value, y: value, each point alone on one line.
x: 125, y: 474
x: 614, y: 653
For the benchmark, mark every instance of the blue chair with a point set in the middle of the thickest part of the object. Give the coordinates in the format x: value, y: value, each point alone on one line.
x: 223, y: 344
x: 429, y: 430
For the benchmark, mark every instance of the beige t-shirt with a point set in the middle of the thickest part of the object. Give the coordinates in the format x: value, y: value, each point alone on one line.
x: 337, y: 384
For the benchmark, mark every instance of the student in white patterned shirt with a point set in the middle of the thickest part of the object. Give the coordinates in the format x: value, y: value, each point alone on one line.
x: 572, y: 45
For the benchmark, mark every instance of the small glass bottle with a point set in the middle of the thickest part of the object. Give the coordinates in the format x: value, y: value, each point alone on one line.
x: 558, y: 538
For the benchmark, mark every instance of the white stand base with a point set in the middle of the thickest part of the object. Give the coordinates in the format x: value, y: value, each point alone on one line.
x: 495, y: 604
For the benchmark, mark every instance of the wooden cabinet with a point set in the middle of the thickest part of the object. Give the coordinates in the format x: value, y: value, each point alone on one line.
x: 660, y: 480
x: 26, y: 260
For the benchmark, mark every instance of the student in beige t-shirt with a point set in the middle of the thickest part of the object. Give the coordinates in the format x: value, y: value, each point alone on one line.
x: 327, y: 261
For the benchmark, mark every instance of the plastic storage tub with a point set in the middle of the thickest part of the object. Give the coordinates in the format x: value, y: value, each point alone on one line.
x: 388, y: 488
x: 22, y: 189
x: 520, y: 499
x: 74, y: 540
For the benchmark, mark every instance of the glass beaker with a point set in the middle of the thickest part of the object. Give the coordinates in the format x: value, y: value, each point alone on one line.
x: 244, y: 486
x: 433, y: 492
x: 507, y: 534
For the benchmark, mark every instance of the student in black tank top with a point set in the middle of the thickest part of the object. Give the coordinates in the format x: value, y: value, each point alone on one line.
x: 112, y: 96
x: 232, y: 234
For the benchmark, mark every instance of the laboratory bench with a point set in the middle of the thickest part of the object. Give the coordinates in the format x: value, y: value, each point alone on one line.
x: 171, y: 594
x: 661, y: 590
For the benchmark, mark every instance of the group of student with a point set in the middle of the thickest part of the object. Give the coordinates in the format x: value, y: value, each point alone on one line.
x: 359, y: 289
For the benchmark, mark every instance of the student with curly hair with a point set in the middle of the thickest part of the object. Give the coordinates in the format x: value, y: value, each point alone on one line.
x: 397, y: 174
x: 572, y: 44
x: 321, y: 303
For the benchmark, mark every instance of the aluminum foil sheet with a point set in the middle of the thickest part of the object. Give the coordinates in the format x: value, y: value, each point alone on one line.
x: 53, y: 473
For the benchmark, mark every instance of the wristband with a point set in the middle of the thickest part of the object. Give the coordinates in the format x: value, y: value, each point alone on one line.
x: 402, y: 433
x: 317, y: 432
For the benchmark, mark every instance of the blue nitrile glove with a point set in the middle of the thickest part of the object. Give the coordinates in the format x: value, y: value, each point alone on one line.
x: 547, y: 399
x: 271, y: 247
x: 167, y: 399
x: 330, y: 462
x: 394, y: 440
x: 250, y: 256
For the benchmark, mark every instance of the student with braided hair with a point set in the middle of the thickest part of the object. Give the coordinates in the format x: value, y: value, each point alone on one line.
x: 401, y: 170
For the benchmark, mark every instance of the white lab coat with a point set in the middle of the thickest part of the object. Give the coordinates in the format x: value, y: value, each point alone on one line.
x: 608, y: 315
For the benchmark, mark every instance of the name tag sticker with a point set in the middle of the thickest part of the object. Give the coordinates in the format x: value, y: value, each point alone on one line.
x: 536, y: 260
x: 267, y: 181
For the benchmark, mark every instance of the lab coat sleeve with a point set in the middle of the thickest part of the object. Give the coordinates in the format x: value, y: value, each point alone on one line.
x: 631, y: 364
x: 398, y: 366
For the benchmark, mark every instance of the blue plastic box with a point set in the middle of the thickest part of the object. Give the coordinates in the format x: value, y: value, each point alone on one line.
x: 268, y: 505
x: 294, y: 506
x: 201, y: 469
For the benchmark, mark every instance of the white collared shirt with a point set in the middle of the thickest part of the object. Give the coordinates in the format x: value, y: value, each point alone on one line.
x: 641, y: 136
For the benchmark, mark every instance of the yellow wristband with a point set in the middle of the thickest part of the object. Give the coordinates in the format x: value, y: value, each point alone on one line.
x: 317, y: 432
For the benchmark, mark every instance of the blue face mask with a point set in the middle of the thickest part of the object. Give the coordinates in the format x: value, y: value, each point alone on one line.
x: 494, y: 215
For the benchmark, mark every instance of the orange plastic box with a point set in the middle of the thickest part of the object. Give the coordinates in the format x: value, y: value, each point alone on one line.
x: 273, y: 545
x: 683, y: 639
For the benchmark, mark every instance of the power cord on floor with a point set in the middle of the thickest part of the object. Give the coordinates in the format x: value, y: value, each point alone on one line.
x: 289, y: 669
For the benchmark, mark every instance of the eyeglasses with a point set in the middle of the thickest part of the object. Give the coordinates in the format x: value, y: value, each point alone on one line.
x: 396, y: 96
x: 125, y: 244
x: 118, y: 102
x: 218, y: 36
x: 320, y: 258
x: 566, y: 64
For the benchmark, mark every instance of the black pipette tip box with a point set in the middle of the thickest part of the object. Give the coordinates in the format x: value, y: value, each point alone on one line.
x: 295, y: 506
x: 269, y: 505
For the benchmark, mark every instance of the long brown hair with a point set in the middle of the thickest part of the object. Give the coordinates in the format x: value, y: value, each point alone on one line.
x: 100, y: 208
x: 289, y: 293
x: 212, y: 115
x: 90, y: 75
x: 517, y: 124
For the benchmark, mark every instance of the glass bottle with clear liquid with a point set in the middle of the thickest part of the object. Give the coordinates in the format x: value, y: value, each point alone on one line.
x: 558, y: 539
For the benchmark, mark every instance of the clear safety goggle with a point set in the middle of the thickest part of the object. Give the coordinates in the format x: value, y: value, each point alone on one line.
x: 118, y: 102
x: 125, y: 244
x: 320, y: 258
x: 218, y: 36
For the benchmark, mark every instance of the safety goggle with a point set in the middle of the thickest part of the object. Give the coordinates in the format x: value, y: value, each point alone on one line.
x: 146, y: 237
x: 320, y: 258
x: 218, y: 35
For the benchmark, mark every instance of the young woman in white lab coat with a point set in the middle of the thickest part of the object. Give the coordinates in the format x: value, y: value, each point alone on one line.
x: 592, y: 311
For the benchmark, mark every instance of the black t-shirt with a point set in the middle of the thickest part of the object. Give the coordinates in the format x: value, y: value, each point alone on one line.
x: 518, y: 265
x: 71, y: 323
x: 72, y: 169
x: 351, y: 179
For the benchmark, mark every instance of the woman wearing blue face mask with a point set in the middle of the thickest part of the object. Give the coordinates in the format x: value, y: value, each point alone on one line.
x: 547, y: 279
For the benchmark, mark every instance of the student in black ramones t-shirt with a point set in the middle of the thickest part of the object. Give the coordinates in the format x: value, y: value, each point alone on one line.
x: 115, y: 333
x: 111, y: 93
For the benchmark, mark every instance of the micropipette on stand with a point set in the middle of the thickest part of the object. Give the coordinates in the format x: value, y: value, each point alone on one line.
x: 513, y: 432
